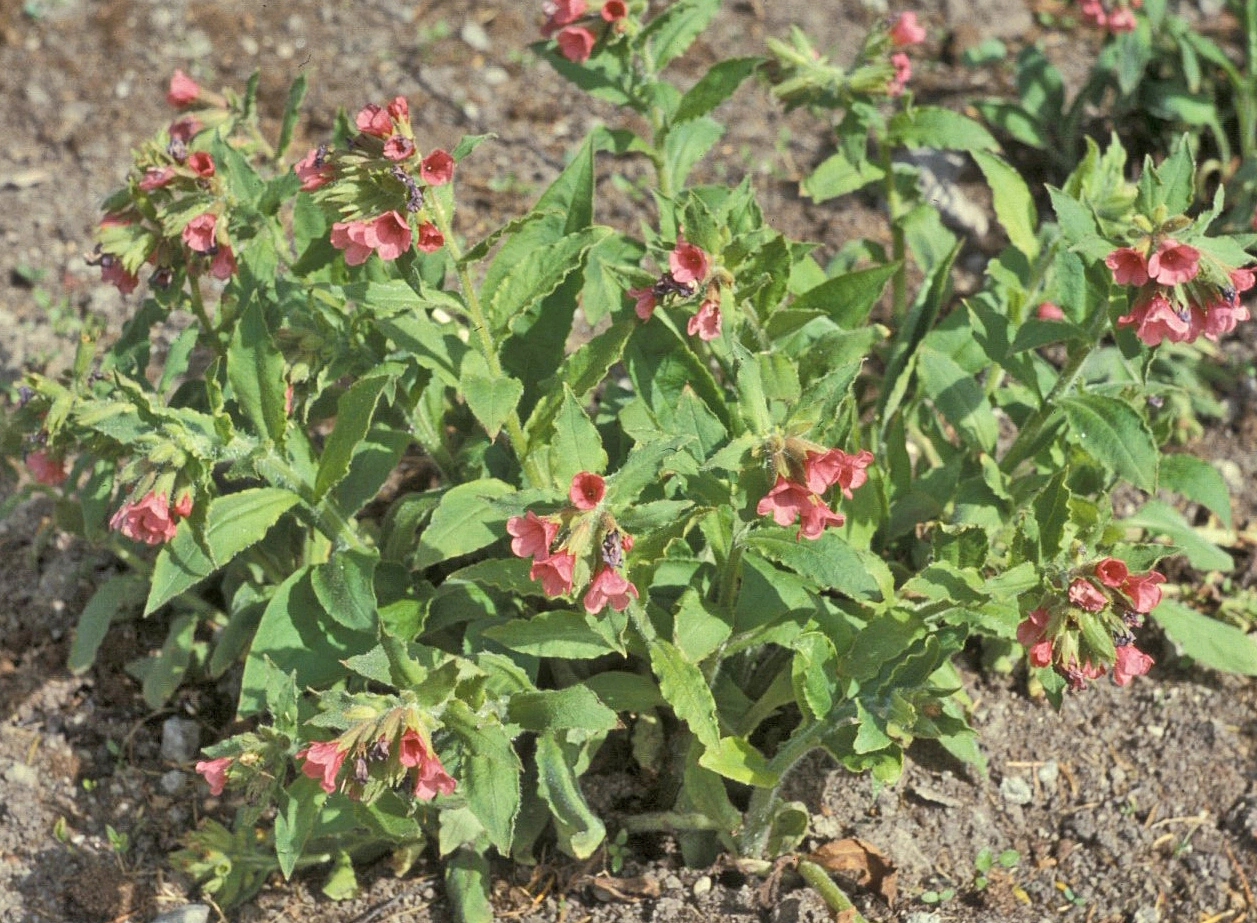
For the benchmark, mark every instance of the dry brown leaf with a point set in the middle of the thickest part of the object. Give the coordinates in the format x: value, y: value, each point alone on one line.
x: 625, y: 889
x: 871, y: 867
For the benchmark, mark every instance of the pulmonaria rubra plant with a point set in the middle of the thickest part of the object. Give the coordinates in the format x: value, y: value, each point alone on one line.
x: 448, y: 516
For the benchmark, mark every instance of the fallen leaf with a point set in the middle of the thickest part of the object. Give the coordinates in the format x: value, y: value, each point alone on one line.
x: 624, y: 889
x: 871, y: 867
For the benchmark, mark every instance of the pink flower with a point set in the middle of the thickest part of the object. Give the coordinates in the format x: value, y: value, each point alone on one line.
x: 437, y: 168
x: 576, y: 43
x: 822, y: 470
x: 555, y: 573
x: 1128, y: 266
x: 183, y: 90
x: 1049, y: 311
x: 111, y: 271
x: 906, y: 31
x: 215, y: 773
x: 322, y: 760
x: 1094, y: 11
x: 532, y: 535
x: 688, y: 263
x: 201, y: 163
x: 429, y: 238
x: 1242, y: 279
x: 560, y: 13
x: 1085, y: 595
x: 145, y: 520
x: 1173, y: 263
x: 587, y: 490
x: 1030, y: 635
x: 372, y: 120
x: 350, y: 236
x: 1222, y: 316
x: 314, y: 171
x: 706, y: 322
x: 223, y: 263
x: 608, y: 586
x: 398, y: 109
x: 1111, y: 572
x: 183, y: 506
x: 613, y: 10
x: 787, y: 499
x: 1121, y: 20
x: 903, y: 73
x: 1130, y: 662
x: 45, y: 468
x: 431, y: 778
x: 198, y: 233
x: 1143, y: 591
x: 183, y: 128
x: 814, y: 517
x: 1155, y: 319
x: 155, y: 178
x: 398, y: 147
x: 644, y: 301
x: 389, y: 235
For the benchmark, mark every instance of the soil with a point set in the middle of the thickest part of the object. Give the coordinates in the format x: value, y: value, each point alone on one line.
x: 1127, y: 805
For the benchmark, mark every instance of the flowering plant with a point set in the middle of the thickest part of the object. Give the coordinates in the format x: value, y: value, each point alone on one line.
x: 752, y: 514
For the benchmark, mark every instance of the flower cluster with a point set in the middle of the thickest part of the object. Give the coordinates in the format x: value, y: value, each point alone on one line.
x: 1116, y: 17
x: 689, y: 271
x: 904, y: 32
x: 805, y: 472
x: 1110, y: 594
x: 385, y: 751
x: 571, y: 25
x: 589, y: 542
x: 46, y: 468
x: 378, y: 185
x: 152, y: 519
x: 1180, y: 293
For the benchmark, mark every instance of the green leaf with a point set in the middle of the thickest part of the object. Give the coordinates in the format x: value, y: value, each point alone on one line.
x: 1215, y: 644
x: 736, y: 759
x: 959, y: 397
x: 111, y: 597
x: 233, y: 523
x: 684, y: 688
x: 1112, y: 433
x: 1161, y: 519
x: 672, y: 31
x: 529, y: 280
x: 641, y: 469
x: 354, y: 410
x: 848, y: 298
x: 827, y: 560
x: 341, y: 883
x: 838, y: 176
x: 292, y: 111
x: 560, y: 709
x: 579, y: 828
x: 490, y: 772
x: 467, y: 884
x: 492, y: 398
x: 714, y: 87
x: 686, y: 144
x: 1198, y: 480
x: 576, y: 446
x: 696, y: 628
x: 161, y: 674
x: 255, y: 369
x: 1014, y: 206
x: 296, y: 811
x: 934, y: 127
x: 568, y: 635
x: 344, y: 587
x: 466, y: 520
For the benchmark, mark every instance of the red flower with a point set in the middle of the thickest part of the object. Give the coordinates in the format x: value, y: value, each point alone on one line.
x: 215, y: 773
x: 429, y: 238
x: 183, y: 128
x: 183, y: 506
x: 223, y: 264
x: 350, y: 236
x: 322, y: 760
x: 198, y: 233
x: 201, y: 163
x: 1030, y: 634
x: 613, y: 10
x: 398, y: 109
x: 555, y: 573
x: 560, y: 13
x: 786, y: 500
x: 587, y: 490
x: 183, y: 90
x: 575, y: 43
x: 1121, y: 20
x: 1154, y: 319
x: 431, y: 778
x: 1085, y: 595
x: 688, y: 263
x: 45, y: 468
x: 398, y: 147
x: 1143, y: 591
x: 145, y: 520
x: 906, y: 31
x: 644, y: 301
x: 1128, y: 266
x: 824, y: 469
x: 155, y: 178
x: 389, y: 235
x: 313, y: 171
x: 903, y: 73
x: 1112, y: 572
x: 532, y: 535
x: 372, y: 120
x: 437, y: 168
x: 111, y: 271
x: 706, y: 322
x: 1221, y: 317
x: 1094, y: 11
x: 1173, y: 263
x: 1049, y: 311
x: 1130, y: 662
x: 608, y: 586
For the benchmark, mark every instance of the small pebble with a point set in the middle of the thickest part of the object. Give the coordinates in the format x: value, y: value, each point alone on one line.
x: 474, y: 35
x: 671, y: 883
x: 1147, y: 915
x: 21, y: 774
x: 1049, y: 772
x: 180, y: 739
x: 188, y: 913
x: 1016, y: 790
x: 702, y: 886
x: 172, y: 782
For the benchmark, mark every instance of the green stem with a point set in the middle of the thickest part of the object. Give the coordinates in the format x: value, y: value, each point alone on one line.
x: 198, y: 308
x: 667, y: 822
x: 1246, y: 88
x: 533, y: 472
x: 894, y: 207
x: 833, y: 895
x: 757, y: 823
